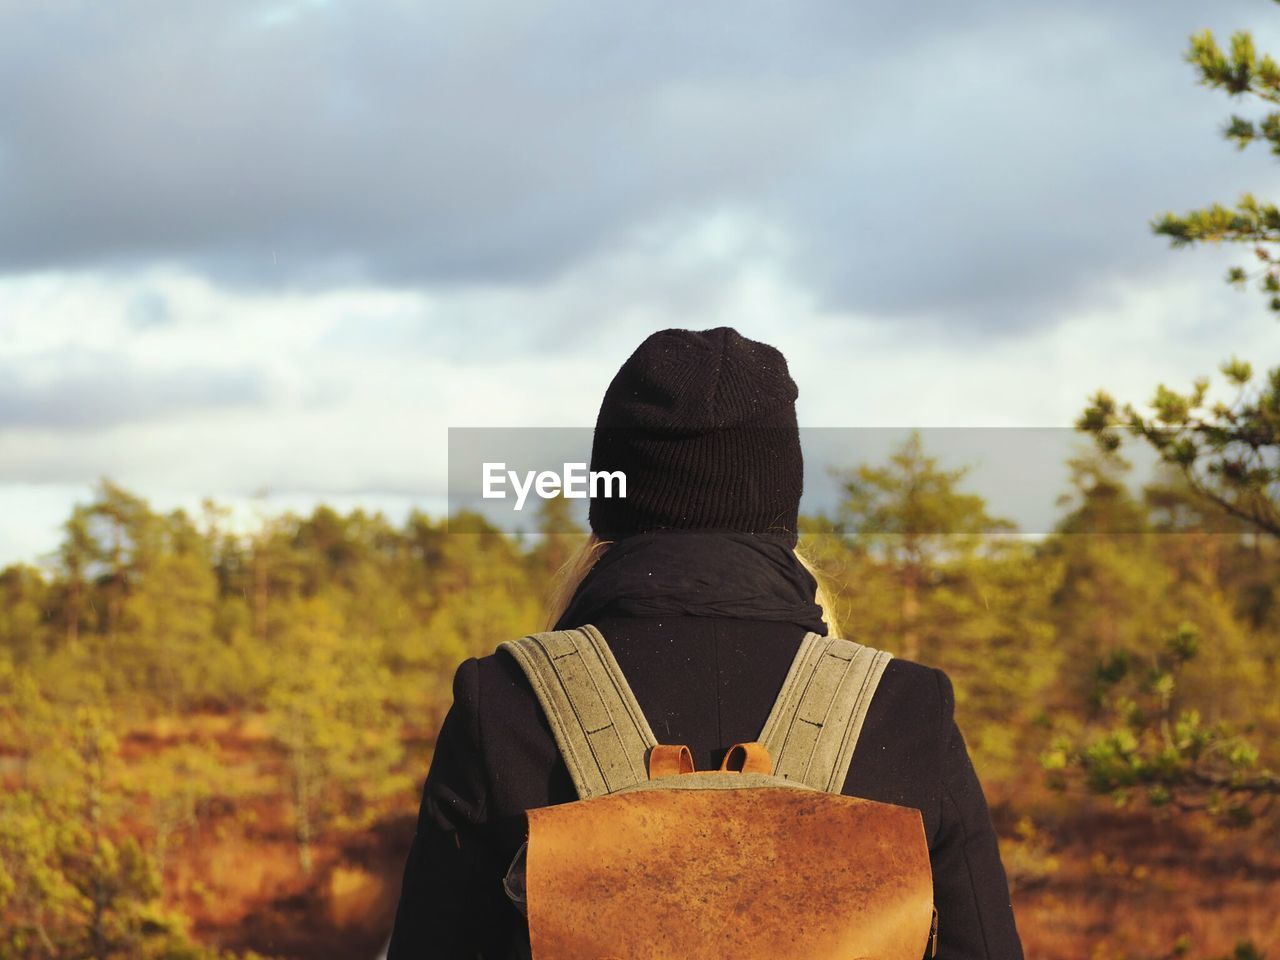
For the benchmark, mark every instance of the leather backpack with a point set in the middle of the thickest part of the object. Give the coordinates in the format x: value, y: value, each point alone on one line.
x: 763, y: 858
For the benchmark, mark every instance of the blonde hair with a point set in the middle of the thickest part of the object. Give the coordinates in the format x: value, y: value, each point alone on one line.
x: 571, y: 573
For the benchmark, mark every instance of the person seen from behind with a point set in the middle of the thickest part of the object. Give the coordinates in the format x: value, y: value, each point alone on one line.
x: 695, y: 580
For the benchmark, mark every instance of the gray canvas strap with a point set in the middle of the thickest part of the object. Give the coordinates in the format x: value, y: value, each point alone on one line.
x: 816, y: 721
x: 594, y: 716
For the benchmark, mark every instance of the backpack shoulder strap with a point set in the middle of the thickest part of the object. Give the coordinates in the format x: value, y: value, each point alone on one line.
x: 815, y: 723
x: 593, y: 714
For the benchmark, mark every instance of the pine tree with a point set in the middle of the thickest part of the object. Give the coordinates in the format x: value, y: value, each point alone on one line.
x: 1228, y: 451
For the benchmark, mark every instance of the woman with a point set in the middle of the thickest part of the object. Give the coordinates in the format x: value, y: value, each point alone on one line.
x: 695, y: 581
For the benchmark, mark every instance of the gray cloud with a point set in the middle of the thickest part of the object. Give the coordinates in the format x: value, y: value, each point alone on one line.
x: 987, y: 162
x: 90, y: 390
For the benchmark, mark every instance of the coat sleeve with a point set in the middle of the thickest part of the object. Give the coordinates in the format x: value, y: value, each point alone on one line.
x: 437, y: 915
x: 971, y: 890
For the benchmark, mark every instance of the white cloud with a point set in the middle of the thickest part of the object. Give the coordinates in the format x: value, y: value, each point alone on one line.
x: 365, y: 382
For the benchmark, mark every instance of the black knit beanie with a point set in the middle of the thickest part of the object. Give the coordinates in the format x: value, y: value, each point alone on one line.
x: 703, y: 425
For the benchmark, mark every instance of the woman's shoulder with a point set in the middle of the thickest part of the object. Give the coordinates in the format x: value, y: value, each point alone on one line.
x: 493, y: 689
x: 916, y: 679
x: 499, y: 674
x: 497, y: 667
x: 912, y: 696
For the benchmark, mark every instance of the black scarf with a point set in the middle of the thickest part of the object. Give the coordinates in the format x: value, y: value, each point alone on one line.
x: 700, y: 574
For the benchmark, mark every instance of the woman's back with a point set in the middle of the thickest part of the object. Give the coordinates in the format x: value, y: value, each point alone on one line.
x: 709, y: 683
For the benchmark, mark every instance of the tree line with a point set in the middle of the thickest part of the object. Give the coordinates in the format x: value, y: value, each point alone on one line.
x: 1141, y: 663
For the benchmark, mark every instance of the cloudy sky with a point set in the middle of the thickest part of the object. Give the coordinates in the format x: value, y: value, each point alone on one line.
x: 270, y: 252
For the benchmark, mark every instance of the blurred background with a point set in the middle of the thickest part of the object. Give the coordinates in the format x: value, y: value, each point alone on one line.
x: 258, y: 259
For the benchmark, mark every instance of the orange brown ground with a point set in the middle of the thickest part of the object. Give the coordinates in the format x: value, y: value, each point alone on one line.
x: 1090, y: 882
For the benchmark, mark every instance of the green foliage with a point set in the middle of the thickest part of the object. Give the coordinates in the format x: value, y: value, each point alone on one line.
x: 1148, y: 743
x: 73, y: 883
x: 1228, y: 453
x: 328, y: 706
x: 1240, y: 72
x: 24, y: 600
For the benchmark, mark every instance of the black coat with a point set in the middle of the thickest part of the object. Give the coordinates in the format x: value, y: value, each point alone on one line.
x: 709, y: 683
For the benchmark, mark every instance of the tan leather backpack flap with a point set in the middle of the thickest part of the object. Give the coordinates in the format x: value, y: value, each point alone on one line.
x: 700, y: 869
